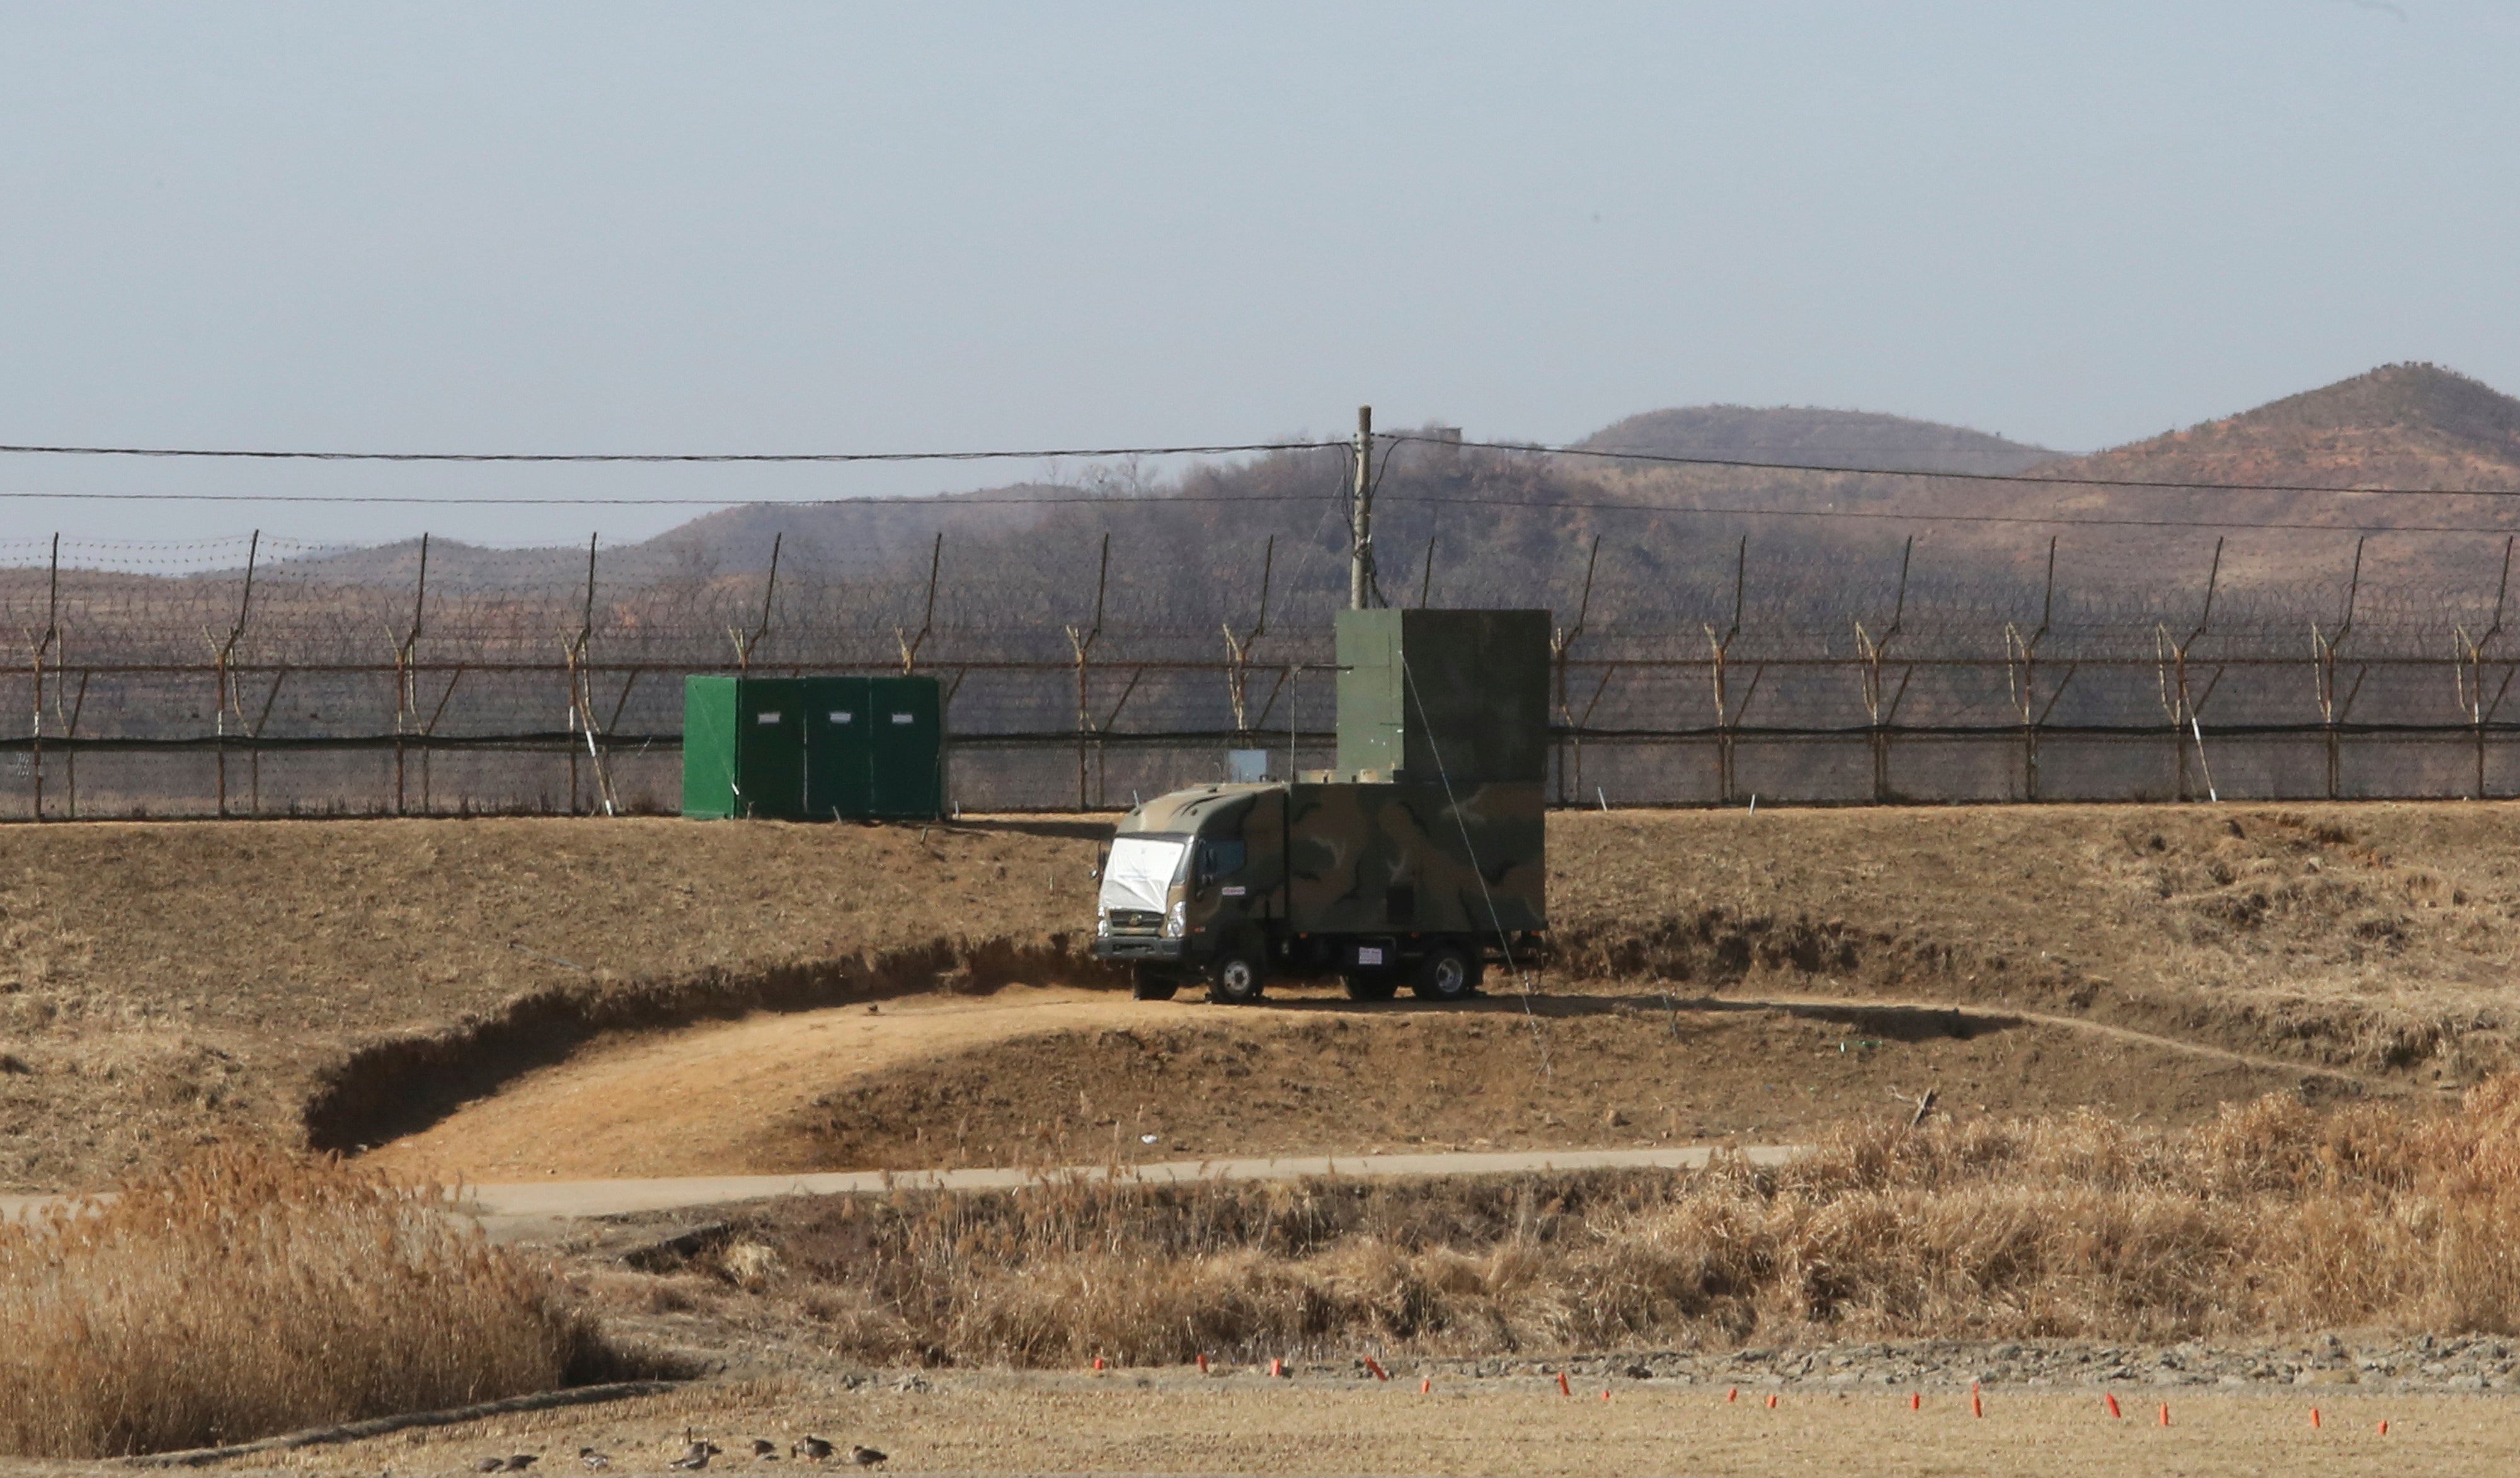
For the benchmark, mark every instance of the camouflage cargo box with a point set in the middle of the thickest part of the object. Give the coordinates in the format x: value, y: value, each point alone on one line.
x: 1404, y: 859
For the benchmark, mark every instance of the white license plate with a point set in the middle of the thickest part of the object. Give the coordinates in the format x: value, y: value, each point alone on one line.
x: 769, y: 717
x: 1369, y: 954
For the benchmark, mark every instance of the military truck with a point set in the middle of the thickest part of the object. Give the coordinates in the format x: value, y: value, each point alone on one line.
x: 1420, y: 859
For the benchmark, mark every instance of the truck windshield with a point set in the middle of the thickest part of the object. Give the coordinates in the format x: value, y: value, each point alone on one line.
x: 1141, y: 872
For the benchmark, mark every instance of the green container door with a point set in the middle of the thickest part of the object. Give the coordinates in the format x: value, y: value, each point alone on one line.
x: 840, y: 766
x: 770, y: 749
x: 907, y: 748
x: 813, y: 748
x: 709, y: 747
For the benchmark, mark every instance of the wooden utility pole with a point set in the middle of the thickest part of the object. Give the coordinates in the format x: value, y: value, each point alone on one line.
x: 1360, y: 517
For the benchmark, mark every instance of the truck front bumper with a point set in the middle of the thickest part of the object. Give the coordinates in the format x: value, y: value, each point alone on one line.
x: 1139, y: 947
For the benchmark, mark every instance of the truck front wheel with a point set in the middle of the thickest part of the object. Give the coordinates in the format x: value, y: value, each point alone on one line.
x: 1449, y: 972
x: 1239, y: 974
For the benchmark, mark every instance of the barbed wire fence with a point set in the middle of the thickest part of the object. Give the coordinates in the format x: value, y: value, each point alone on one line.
x: 259, y: 676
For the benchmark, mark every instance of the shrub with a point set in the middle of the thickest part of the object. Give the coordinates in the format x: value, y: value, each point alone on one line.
x: 248, y: 1294
x: 2275, y: 1218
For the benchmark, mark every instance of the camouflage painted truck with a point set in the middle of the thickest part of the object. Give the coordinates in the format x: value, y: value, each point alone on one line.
x: 1421, y: 860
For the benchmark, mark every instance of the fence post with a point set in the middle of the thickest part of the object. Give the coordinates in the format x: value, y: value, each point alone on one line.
x: 1082, y: 644
x: 2467, y: 671
x: 43, y: 648
x: 1237, y: 651
x: 406, y: 691
x: 1559, y: 643
x: 223, y: 660
x: 2172, y: 660
x: 2025, y: 651
x: 1872, y: 653
x: 2322, y: 654
x: 910, y: 646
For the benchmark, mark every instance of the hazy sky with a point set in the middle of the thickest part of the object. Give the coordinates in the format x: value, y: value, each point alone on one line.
x: 773, y: 228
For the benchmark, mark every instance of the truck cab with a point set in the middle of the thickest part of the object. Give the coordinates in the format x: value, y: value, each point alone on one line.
x: 1189, y: 876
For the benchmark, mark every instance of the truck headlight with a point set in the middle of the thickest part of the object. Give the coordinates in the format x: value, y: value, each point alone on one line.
x: 1176, y: 922
x: 1102, y: 924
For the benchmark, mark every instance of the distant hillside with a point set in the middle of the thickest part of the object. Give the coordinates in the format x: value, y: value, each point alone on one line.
x: 1797, y: 435
x: 1511, y: 527
x: 2398, y: 425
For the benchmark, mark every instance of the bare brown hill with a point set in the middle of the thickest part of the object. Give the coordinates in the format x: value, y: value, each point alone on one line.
x: 1804, y: 436
x: 2398, y: 425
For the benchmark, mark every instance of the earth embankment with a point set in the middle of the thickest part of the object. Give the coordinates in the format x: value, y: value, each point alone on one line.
x: 340, y: 983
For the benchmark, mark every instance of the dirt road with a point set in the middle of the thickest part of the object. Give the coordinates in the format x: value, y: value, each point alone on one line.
x: 1050, y: 1075
x: 1173, y: 1421
x: 702, y: 1101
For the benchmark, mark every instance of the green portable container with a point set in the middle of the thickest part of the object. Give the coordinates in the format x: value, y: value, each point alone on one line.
x: 813, y: 748
x: 874, y: 747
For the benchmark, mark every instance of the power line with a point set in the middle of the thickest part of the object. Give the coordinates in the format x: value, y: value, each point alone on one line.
x: 667, y: 457
x: 944, y: 501
x: 2029, y: 478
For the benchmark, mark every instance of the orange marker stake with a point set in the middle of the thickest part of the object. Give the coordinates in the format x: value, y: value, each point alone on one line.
x: 1732, y: 1395
x: 1564, y: 1389
x: 1377, y: 1371
x: 2313, y: 1417
x: 1098, y: 1361
x: 1202, y: 1361
x: 1277, y: 1369
x: 2384, y: 1428
x: 1425, y: 1385
x: 1605, y: 1398
x: 1771, y: 1401
x: 1977, y: 1407
x: 2165, y: 1413
x: 1915, y: 1401
x: 2112, y: 1399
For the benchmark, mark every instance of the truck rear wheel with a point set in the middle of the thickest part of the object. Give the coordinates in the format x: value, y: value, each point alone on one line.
x: 1152, y: 984
x: 1239, y: 974
x: 1371, y: 985
x: 1448, y: 973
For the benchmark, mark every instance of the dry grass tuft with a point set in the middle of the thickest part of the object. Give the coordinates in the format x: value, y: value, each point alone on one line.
x: 2276, y: 1217
x: 248, y: 1294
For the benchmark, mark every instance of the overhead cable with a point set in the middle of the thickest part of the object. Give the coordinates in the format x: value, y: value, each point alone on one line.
x: 667, y: 457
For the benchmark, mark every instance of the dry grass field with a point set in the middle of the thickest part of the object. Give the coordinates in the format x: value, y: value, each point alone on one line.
x: 167, y: 986
x: 2189, y: 1063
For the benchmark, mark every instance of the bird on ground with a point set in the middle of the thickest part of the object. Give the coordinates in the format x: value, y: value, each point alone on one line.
x: 764, y: 1450
x: 814, y: 1447
x: 696, y: 1457
x: 592, y: 1460
x: 866, y: 1457
x: 489, y: 1464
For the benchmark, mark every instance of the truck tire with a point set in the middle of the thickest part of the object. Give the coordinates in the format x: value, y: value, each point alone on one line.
x: 1152, y: 984
x: 1448, y: 973
x: 1239, y: 973
x: 1371, y: 985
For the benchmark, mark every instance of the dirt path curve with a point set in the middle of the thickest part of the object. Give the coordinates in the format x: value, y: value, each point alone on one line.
x: 1850, y: 1008
x: 708, y: 1100
x: 694, y: 1101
